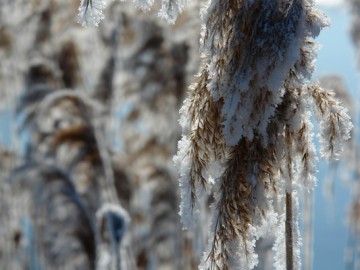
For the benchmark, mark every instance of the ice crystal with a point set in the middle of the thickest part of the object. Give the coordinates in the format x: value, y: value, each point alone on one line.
x: 91, y: 12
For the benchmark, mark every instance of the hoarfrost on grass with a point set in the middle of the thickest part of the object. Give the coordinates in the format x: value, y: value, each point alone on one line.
x: 91, y: 12
x: 171, y: 9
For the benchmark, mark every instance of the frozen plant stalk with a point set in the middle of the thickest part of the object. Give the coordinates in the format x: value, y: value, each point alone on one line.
x: 247, y: 135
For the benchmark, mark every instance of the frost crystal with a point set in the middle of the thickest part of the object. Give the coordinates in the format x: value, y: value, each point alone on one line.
x: 170, y: 9
x: 91, y: 12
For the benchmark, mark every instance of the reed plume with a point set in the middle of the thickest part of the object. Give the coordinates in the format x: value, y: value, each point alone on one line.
x: 247, y: 135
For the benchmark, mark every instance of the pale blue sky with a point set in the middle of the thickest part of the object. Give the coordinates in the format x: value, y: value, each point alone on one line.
x: 336, y: 56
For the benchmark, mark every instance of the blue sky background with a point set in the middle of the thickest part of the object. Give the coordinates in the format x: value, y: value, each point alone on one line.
x: 336, y: 56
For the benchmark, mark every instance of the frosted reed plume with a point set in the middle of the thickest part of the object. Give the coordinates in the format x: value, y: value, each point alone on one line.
x: 247, y: 135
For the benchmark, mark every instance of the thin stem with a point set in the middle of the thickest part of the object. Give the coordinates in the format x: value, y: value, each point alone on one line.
x: 308, y: 230
x: 289, y: 233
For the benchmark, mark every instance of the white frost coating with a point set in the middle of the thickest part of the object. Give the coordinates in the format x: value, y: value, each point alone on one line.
x: 334, y: 122
x: 279, y: 246
x: 305, y: 169
x: 214, y: 171
x: 333, y: 151
x: 182, y: 161
x: 171, y: 9
x: 144, y: 5
x: 242, y: 255
x: 248, y: 259
x: 307, y: 178
x: 288, y: 60
x: 318, y: 25
x: 233, y: 128
x: 296, y: 232
x: 252, y: 78
x: 91, y: 12
x: 184, y: 120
